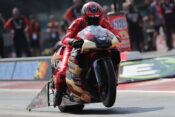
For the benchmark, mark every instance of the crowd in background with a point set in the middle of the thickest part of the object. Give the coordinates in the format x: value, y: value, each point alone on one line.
x: 144, y: 25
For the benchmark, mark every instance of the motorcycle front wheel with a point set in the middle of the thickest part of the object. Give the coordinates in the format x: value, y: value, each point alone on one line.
x: 108, y: 89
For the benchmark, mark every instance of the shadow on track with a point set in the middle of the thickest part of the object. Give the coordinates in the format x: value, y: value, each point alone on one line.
x: 117, y: 110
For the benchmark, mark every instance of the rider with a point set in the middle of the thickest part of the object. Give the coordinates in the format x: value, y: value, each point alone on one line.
x: 92, y: 15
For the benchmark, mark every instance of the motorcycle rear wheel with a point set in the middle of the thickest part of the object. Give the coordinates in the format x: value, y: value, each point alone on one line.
x: 74, y: 108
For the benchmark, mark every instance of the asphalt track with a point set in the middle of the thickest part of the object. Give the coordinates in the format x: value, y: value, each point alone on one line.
x: 142, y: 99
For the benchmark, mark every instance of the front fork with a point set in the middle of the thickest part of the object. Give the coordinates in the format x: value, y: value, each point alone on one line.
x: 97, y: 71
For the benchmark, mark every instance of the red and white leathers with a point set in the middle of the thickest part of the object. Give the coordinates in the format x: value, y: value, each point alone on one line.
x: 72, y: 31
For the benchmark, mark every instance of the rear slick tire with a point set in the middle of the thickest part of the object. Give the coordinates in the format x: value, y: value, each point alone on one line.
x: 74, y: 108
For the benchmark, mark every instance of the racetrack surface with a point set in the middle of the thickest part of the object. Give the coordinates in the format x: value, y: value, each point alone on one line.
x: 148, y: 99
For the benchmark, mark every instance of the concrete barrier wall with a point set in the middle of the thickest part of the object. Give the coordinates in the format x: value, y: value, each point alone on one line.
x: 25, y: 69
x: 39, y: 69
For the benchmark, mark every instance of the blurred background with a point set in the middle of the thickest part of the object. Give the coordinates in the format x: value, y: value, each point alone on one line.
x: 30, y: 28
x: 53, y: 18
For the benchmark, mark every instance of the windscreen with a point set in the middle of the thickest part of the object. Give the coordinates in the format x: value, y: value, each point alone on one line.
x: 93, y: 33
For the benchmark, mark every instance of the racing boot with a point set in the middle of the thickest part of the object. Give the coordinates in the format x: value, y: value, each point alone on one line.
x: 58, y: 98
x: 60, y: 87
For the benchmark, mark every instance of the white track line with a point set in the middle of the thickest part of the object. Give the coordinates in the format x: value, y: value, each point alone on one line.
x: 20, y: 90
x: 144, y: 91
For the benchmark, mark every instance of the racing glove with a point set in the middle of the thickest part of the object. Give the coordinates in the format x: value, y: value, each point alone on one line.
x: 76, y: 43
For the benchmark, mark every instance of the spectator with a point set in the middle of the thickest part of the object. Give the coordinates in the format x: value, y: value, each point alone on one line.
x: 18, y: 25
x: 35, y: 36
x: 105, y: 10
x: 148, y: 30
x: 131, y: 2
x: 74, y: 12
x: 173, y: 37
x: 90, y: 0
x: 53, y: 29
x: 135, y: 30
x: 125, y: 7
x: 62, y: 32
x: 63, y: 28
x: 156, y: 17
x: 2, y: 22
x: 167, y: 7
x: 112, y: 8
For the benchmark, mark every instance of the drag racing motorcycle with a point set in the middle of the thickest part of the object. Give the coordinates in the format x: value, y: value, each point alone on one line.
x: 92, y: 74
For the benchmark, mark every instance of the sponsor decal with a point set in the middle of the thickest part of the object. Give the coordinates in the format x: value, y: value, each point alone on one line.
x: 26, y: 70
x: 86, y: 97
x: 119, y: 23
x: 41, y: 70
x: 148, y: 69
x: 124, y: 35
x: 68, y: 75
x: 71, y: 65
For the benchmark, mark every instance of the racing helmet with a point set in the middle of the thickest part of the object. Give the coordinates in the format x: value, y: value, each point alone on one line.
x: 92, y: 12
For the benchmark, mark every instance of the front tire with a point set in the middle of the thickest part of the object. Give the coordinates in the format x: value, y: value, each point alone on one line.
x: 108, y: 89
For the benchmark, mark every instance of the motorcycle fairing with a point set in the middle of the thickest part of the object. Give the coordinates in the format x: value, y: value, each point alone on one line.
x: 95, y: 34
x: 74, y: 81
x: 78, y: 92
x: 92, y: 36
x: 74, y: 68
x: 97, y: 38
x: 90, y: 45
x: 55, y: 64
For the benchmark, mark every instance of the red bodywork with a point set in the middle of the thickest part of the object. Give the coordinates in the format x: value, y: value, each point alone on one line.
x: 72, y: 31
